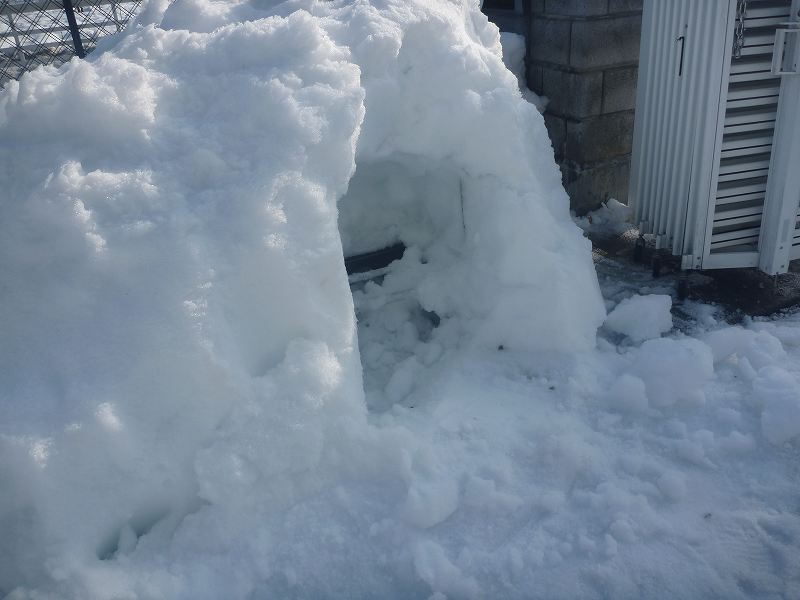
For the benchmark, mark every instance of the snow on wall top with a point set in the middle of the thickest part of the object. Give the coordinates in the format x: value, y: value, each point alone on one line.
x: 177, y: 330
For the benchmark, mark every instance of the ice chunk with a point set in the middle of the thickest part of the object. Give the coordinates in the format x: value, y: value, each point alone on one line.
x: 641, y: 317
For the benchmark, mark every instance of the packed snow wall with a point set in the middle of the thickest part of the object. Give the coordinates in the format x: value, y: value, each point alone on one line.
x: 178, y: 360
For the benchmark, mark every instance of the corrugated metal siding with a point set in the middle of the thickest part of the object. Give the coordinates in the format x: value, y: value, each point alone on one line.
x: 677, y: 108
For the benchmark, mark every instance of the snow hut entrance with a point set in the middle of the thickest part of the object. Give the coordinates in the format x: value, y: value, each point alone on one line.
x: 395, y: 204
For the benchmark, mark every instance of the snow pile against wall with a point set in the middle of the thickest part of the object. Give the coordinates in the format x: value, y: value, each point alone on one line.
x: 178, y: 361
x: 514, y: 50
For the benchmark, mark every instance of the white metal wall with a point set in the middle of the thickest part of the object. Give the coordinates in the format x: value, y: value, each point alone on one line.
x: 704, y: 130
x: 751, y: 96
x: 782, y: 210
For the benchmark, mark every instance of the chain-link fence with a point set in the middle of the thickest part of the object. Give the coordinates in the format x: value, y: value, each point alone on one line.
x: 49, y: 32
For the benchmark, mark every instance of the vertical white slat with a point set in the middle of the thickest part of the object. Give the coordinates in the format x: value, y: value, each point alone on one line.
x: 666, y: 178
x: 707, y: 35
x: 638, y: 199
x: 656, y: 127
x: 665, y: 65
x: 718, y: 72
x: 649, y: 89
x: 645, y: 96
x: 673, y: 186
x: 690, y: 112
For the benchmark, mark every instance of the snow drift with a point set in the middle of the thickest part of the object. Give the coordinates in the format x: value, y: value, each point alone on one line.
x: 178, y: 361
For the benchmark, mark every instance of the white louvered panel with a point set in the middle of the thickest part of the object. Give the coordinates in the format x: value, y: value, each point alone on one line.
x: 754, y: 90
x: 752, y: 102
x: 748, y: 151
x: 741, y: 188
x: 750, y: 113
x: 758, y: 49
x: 755, y: 63
x: 762, y: 127
x: 731, y: 143
x: 771, y: 22
x: 739, y: 198
x: 739, y: 237
x: 741, y: 77
x: 740, y: 175
x: 759, y: 10
x: 763, y: 37
x: 744, y: 167
x: 761, y: 114
x: 739, y: 216
x: 748, y: 212
x: 794, y: 253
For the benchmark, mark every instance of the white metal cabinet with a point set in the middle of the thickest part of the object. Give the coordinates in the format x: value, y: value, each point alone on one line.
x: 715, y: 171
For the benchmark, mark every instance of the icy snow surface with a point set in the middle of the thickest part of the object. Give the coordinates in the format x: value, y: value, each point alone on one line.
x: 183, y: 412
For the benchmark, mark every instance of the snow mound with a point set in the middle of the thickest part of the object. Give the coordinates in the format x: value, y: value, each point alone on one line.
x: 179, y: 363
x: 641, y: 317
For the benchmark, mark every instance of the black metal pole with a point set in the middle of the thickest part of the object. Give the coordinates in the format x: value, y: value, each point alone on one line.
x: 73, y: 29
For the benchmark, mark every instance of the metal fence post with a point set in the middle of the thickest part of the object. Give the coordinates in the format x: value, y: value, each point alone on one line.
x: 73, y: 29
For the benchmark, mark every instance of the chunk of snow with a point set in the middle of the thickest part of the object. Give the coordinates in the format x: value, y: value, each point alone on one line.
x: 760, y: 348
x: 673, y: 370
x: 641, y: 317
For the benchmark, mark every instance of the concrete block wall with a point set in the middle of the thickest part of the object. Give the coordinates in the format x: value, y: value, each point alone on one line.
x: 583, y: 55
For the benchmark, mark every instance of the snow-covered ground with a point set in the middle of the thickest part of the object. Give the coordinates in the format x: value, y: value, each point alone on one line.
x: 193, y: 404
x: 653, y: 467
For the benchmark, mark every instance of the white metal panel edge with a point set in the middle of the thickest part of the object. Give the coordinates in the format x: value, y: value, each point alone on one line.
x: 707, y: 181
x: 649, y: 91
x: 783, y: 184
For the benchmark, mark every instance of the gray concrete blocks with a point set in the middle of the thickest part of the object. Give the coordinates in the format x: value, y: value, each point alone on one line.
x: 576, y: 8
x: 549, y: 40
x: 607, y: 42
x: 583, y: 55
x: 619, y: 89
x: 589, y: 187
x: 572, y: 94
x: 595, y: 140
